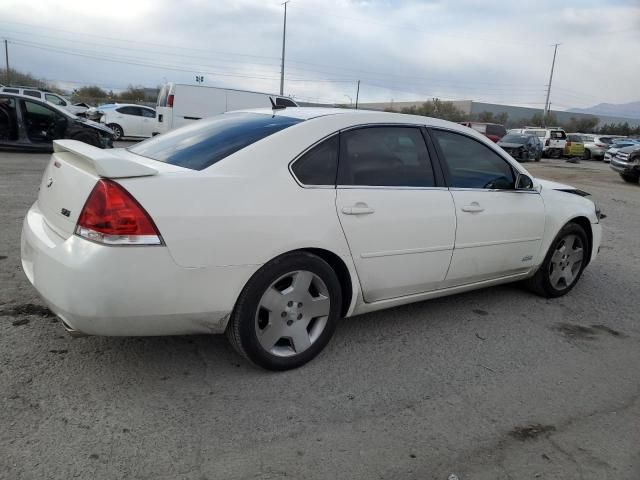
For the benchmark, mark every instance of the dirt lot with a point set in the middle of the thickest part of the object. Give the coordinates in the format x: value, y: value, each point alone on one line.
x: 494, y: 384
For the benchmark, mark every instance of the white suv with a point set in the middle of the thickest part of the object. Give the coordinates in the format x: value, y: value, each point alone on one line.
x: 46, y: 96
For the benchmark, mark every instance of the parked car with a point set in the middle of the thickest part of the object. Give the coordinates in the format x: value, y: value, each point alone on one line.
x: 537, y: 131
x: 494, y: 131
x: 128, y: 120
x: 180, y: 104
x: 595, y: 145
x: 47, y: 96
x: 616, y: 146
x: 555, y: 140
x: 574, y: 146
x: 265, y: 238
x: 627, y: 163
x: 522, y: 147
x: 29, y: 123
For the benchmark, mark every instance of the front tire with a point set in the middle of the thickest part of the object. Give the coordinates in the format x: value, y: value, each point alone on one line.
x: 118, y: 133
x: 287, y: 312
x: 563, y: 265
x: 630, y: 178
x: 586, y: 155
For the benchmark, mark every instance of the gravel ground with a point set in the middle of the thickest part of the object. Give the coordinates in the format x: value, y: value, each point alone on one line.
x: 493, y: 384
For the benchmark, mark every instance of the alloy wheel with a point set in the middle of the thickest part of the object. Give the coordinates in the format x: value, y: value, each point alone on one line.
x: 292, y: 313
x: 566, y: 262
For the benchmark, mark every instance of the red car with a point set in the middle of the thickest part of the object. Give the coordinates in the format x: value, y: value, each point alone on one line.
x: 494, y: 131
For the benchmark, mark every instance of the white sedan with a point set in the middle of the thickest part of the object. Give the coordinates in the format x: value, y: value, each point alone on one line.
x: 127, y: 120
x: 272, y: 225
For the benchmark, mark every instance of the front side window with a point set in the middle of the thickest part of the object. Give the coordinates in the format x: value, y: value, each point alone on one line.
x: 385, y: 156
x: 472, y: 164
x: 56, y: 100
x: 43, y: 123
x: 203, y: 143
x: 319, y: 166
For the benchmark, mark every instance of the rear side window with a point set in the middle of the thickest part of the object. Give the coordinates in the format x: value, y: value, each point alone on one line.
x: 130, y: 111
x: 319, y: 166
x: 10, y: 90
x: 285, y: 102
x: 472, y: 164
x: 385, y: 156
x: 203, y: 143
x: 32, y: 93
x: 148, y: 113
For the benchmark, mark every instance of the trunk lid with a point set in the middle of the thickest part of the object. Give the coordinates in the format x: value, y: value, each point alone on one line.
x: 73, y: 171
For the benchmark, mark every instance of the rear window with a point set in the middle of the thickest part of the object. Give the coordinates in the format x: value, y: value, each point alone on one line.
x: 208, y: 141
x: 558, y: 134
x: 515, y: 138
x: 575, y: 138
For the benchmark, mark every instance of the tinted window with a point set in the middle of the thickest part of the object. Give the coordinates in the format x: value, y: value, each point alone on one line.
x: 32, y: 93
x: 10, y: 90
x: 472, y: 164
x: 148, y: 113
x: 575, y: 138
x: 385, y: 156
x: 319, y: 165
x: 56, y: 100
x: 208, y: 141
x: 130, y: 111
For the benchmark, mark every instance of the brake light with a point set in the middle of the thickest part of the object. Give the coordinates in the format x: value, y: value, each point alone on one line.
x: 111, y: 216
x: 170, y: 101
x: 568, y: 143
x: 546, y: 142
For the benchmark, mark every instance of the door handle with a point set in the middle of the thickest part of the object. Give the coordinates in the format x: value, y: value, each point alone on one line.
x: 358, y: 209
x: 473, y: 207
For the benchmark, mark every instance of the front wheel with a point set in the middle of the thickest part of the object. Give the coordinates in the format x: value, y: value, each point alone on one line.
x: 287, y: 312
x: 630, y: 178
x: 586, y: 155
x: 564, y: 263
x: 118, y: 133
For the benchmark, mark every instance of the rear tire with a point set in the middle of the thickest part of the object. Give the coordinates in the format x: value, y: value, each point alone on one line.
x: 586, y: 155
x: 563, y: 265
x: 118, y: 133
x: 276, y: 323
x: 630, y: 178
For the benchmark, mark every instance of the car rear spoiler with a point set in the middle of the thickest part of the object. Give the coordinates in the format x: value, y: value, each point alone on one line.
x: 104, y: 162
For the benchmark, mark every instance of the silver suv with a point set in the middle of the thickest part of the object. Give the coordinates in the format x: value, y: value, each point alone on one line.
x: 46, y: 96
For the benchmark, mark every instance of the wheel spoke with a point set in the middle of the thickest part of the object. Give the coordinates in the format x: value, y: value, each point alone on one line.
x: 317, y: 307
x: 576, y: 255
x: 270, y: 335
x: 556, y: 275
x: 272, y: 300
x: 302, y: 282
x: 300, y: 337
x: 567, y: 274
x: 556, y: 257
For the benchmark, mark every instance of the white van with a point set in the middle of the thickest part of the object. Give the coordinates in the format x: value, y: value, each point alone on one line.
x: 180, y: 104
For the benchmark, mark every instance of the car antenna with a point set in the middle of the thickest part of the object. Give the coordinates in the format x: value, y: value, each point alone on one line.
x: 275, y: 106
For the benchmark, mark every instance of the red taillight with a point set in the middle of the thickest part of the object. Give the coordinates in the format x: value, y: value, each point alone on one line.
x: 113, y: 217
x: 600, y: 145
x: 568, y: 143
x: 546, y: 142
x: 170, y: 100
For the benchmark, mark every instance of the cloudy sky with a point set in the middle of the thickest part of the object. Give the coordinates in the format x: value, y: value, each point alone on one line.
x: 485, y: 50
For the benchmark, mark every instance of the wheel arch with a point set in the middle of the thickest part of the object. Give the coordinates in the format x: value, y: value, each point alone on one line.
x: 342, y: 271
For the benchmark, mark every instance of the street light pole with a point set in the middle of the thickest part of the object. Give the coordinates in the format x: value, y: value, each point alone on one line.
x: 546, y: 103
x: 284, y: 38
x: 6, y: 57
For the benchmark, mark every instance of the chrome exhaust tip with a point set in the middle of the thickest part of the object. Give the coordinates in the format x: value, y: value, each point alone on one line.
x: 72, y: 331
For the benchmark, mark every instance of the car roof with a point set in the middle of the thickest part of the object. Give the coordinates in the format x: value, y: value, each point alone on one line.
x: 34, y: 99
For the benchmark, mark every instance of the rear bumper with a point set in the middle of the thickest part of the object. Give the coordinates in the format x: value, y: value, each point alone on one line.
x: 121, y: 291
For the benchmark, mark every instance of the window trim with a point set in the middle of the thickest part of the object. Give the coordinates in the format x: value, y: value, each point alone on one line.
x: 443, y: 164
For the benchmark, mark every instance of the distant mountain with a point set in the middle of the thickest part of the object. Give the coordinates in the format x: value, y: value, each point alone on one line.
x: 627, y: 110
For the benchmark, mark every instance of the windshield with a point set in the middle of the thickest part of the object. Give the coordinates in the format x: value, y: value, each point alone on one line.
x: 514, y: 138
x: 208, y: 141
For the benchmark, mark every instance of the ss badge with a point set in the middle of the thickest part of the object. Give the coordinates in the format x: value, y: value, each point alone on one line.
x: 65, y: 212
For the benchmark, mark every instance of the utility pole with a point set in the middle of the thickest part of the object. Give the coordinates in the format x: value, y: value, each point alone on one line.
x: 284, y: 37
x: 6, y: 57
x: 357, y: 94
x: 546, y: 103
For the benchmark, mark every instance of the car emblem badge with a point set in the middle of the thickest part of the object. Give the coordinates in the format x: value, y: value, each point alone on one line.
x: 49, y: 182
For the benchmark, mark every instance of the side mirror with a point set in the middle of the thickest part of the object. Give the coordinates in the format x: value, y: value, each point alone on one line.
x: 524, y: 182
